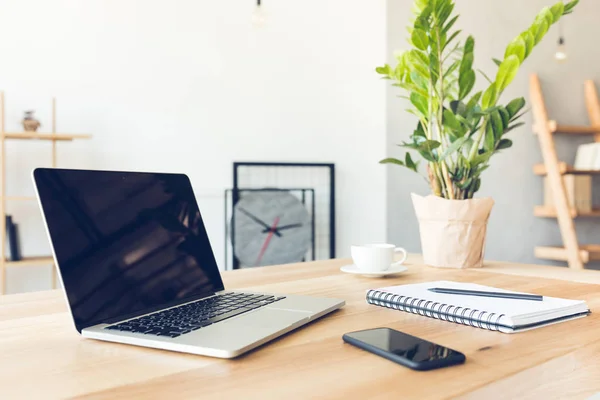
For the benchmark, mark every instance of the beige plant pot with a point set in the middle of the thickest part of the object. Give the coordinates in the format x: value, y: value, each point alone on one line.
x: 452, y: 231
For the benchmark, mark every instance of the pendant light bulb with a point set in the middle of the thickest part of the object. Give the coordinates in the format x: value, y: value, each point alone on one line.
x: 561, y: 51
x: 259, y: 18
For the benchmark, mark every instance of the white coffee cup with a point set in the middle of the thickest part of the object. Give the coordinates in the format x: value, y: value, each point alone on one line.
x: 376, y: 257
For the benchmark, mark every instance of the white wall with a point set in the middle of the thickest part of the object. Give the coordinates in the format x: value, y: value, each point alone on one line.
x: 190, y: 86
x: 513, y: 230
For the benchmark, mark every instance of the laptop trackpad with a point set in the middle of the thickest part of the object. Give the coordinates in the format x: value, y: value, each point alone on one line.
x: 241, y: 331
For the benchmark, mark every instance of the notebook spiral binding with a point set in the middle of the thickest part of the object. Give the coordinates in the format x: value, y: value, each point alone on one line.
x: 427, y: 308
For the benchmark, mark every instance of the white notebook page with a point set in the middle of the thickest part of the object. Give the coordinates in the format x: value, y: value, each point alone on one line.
x: 519, y: 311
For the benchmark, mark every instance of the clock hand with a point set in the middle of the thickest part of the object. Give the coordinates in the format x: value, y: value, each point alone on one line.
x: 258, y: 221
x: 281, y: 228
x: 272, y: 230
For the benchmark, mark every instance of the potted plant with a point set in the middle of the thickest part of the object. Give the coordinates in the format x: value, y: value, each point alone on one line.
x: 457, y: 131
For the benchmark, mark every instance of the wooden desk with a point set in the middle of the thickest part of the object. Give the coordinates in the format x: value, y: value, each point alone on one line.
x: 42, y: 356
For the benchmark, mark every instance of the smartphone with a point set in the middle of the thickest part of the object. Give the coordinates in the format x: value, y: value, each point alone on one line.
x: 404, y: 349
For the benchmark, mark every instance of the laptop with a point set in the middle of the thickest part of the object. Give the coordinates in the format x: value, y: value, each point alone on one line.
x: 137, y: 267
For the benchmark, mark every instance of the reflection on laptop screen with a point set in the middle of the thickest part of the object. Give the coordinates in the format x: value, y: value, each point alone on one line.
x: 126, y: 242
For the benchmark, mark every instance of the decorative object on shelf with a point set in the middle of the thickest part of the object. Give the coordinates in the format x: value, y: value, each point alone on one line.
x: 30, y: 124
x: 457, y: 133
x: 588, y: 157
x: 53, y: 137
x: 12, y: 234
x: 279, y: 213
x: 259, y: 17
x: 566, y: 202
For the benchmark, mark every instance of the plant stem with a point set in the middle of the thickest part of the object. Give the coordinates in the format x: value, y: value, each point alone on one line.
x: 477, y: 142
x: 439, y: 120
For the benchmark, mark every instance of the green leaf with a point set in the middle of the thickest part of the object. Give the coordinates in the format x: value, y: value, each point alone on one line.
x: 430, y: 145
x: 419, y: 81
x: 489, y: 97
x: 454, y: 147
x: 557, y: 10
x: 514, y: 106
x: 504, y: 144
x: 481, y: 158
x: 496, y: 61
x: 450, y: 120
x: 489, y: 139
x: 419, y: 39
x: 466, y: 63
x: 392, y: 161
x: 516, y: 117
x: 419, y: 61
x: 469, y: 45
x: 487, y: 78
x: 546, y: 14
x: 458, y: 108
x: 569, y: 7
x: 420, y: 103
x: 451, y: 38
x: 514, y: 126
x: 539, y: 29
x: 444, y: 11
x: 410, y: 164
x: 451, y: 68
x: 474, y: 100
x: 507, y: 72
x: 477, y: 184
x: 529, y: 42
x: 419, y: 132
x: 517, y: 47
x: 497, y: 126
x: 385, y: 70
x: 505, y: 116
x: 446, y: 28
x: 466, y: 83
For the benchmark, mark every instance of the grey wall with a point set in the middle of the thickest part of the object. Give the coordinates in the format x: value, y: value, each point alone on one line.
x: 513, y: 231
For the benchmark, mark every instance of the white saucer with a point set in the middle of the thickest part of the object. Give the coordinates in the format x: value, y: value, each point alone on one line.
x: 353, y: 269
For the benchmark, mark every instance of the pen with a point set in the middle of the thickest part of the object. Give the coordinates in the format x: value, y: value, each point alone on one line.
x: 515, y: 296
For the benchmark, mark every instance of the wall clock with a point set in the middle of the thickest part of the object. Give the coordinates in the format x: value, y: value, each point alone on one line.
x: 297, y: 198
x: 271, y: 227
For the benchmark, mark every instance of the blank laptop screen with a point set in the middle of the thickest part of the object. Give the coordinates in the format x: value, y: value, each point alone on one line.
x: 126, y: 242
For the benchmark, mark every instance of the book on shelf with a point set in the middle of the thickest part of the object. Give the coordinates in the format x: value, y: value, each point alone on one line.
x: 12, y: 235
x: 579, y: 192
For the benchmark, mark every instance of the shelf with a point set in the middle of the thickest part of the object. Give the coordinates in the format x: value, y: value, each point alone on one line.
x: 589, y: 252
x: 44, y: 136
x: 550, y: 212
x: 565, y: 169
x: 573, y: 129
x: 31, y: 261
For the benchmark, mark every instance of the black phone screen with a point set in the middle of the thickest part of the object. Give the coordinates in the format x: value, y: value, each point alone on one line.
x: 406, y: 346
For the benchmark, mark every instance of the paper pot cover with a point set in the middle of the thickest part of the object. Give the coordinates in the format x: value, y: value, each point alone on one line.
x: 452, y: 231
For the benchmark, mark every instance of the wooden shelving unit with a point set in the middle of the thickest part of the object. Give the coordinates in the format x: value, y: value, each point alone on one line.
x: 575, y: 254
x: 550, y: 212
x: 52, y: 137
x: 564, y: 169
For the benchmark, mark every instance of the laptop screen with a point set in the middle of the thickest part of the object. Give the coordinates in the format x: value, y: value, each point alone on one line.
x: 126, y: 242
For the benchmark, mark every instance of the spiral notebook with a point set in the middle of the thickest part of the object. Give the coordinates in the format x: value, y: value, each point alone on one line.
x: 504, y: 315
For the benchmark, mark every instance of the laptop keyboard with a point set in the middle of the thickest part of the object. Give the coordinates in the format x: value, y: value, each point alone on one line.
x: 192, y: 316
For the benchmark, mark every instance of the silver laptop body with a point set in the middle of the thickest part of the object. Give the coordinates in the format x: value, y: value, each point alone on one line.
x: 137, y: 267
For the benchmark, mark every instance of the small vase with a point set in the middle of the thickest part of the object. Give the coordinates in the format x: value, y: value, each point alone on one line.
x: 452, y: 232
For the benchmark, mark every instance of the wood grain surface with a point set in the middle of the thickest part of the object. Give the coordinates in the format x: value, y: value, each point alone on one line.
x: 42, y: 356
